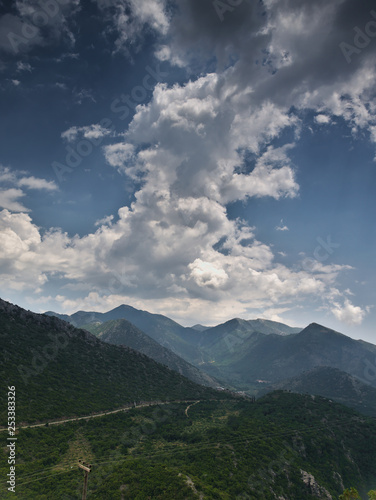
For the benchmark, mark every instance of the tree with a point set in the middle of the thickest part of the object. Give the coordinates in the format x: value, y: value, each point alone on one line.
x: 350, y: 494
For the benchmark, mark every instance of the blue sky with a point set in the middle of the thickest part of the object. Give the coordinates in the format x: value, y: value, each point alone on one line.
x: 200, y: 159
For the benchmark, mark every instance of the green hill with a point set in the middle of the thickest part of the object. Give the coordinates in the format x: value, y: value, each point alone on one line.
x: 162, y: 329
x: 59, y: 370
x: 333, y: 384
x: 122, y: 332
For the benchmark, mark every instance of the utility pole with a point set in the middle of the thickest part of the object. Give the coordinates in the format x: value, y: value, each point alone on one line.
x: 87, y: 469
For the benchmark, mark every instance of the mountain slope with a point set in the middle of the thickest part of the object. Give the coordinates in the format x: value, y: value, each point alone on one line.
x: 196, y: 345
x: 163, y: 330
x: 333, y: 384
x: 274, y: 358
x: 59, y: 370
x: 227, y: 340
x: 122, y: 332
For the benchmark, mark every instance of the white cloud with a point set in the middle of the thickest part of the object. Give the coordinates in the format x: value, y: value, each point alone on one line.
x: 207, y: 274
x: 105, y: 221
x: 35, y: 183
x: 119, y: 155
x: 282, y: 226
x: 70, y: 134
x: 132, y: 18
x: 95, y: 131
x: 197, y: 147
x: 9, y: 199
x: 348, y: 313
x: 164, y: 53
x: 12, y: 181
x: 322, y: 119
x: 19, y: 179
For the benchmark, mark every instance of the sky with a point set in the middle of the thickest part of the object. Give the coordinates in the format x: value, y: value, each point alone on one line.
x: 201, y: 159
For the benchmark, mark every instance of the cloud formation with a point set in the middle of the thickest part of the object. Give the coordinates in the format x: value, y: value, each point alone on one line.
x: 196, y: 148
x: 132, y: 19
x: 33, y: 24
x: 10, y: 183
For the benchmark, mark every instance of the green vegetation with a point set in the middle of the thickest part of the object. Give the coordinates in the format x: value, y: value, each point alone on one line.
x: 241, y: 359
x: 59, y: 370
x: 160, y: 328
x: 221, y: 450
x: 122, y: 332
x: 352, y: 494
x: 333, y: 384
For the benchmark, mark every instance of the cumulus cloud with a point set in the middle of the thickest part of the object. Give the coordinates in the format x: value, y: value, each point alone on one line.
x: 104, y: 221
x: 119, y: 155
x: 199, y: 146
x: 348, y: 313
x: 9, y: 198
x: 322, y: 119
x: 207, y: 274
x: 286, y: 51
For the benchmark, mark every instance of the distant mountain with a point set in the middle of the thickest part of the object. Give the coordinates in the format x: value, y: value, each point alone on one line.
x: 122, y: 332
x: 200, y: 328
x: 59, y: 370
x: 333, y: 384
x: 239, y: 353
x: 198, y: 345
x: 162, y: 329
x: 274, y: 358
x: 226, y: 338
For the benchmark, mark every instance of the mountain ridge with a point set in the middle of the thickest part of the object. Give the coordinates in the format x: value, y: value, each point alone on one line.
x: 60, y: 370
x: 122, y: 332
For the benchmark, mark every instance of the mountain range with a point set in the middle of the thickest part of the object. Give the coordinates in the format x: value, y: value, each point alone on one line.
x: 245, y: 354
x: 122, y: 332
x: 58, y: 369
x: 188, y: 441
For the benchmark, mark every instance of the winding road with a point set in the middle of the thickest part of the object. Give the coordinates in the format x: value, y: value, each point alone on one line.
x: 110, y: 412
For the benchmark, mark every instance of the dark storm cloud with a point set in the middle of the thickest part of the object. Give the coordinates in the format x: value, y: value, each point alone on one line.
x: 318, y: 56
x: 301, y: 43
x: 202, y: 28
